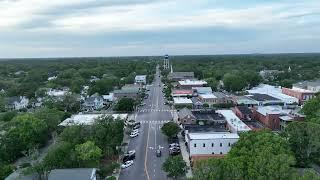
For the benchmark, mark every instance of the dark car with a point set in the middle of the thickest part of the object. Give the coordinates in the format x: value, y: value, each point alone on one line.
x: 174, y: 151
x: 128, y: 158
x: 158, y: 153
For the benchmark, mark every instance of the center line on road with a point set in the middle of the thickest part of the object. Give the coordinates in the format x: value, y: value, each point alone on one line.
x: 146, y: 156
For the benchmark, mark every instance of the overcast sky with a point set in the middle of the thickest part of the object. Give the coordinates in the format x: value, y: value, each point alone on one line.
x: 64, y: 28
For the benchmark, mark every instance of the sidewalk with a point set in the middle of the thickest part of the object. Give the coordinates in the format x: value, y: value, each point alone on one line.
x: 185, y: 155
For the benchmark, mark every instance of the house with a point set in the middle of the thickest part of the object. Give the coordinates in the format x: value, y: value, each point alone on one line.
x: 209, y: 144
x: 276, y: 117
x: 76, y: 174
x: 202, y: 90
x: 222, y: 98
x: 89, y: 119
x: 243, y: 112
x: 244, y: 101
x: 265, y: 100
x: 94, y: 79
x: 275, y: 92
x: 141, y: 79
x: 188, y: 84
x: 108, y: 98
x: 128, y: 91
x: 185, y: 116
x: 58, y: 92
x: 269, y: 74
x: 196, y: 103
x: 234, y: 124
x: 182, y: 101
x: 179, y: 76
x: 182, y: 93
x: 93, y: 103
x: 16, y: 103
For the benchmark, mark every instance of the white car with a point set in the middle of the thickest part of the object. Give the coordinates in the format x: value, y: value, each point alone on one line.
x: 130, y: 153
x: 134, y: 134
x: 127, y: 164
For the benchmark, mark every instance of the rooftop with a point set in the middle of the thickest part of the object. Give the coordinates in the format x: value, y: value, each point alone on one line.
x: 180, y: 100
x: 264, y: 110
x: 244, y: 109
x: 181, y: 74
x: 213, y: 135
x: 192, y: 82
x: 140, y: 77
x: 272, y: 91
x: 219, y: 94
x: 208, y: 96
x: 233, y: 121
x: 207, y: 115
x: 178, y: 91
x: 262, y: 97
x: 88, y: 119
x: 305, y: 84
x: 76, y: 173
x: 193, y: 128
x: 202, y: 90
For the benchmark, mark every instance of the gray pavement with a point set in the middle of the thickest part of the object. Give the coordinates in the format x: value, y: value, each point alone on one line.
x: 152, y: 116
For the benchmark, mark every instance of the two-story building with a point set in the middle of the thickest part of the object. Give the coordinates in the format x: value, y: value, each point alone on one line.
x: 179, y: 76
x: 93, y: 103
x: 189, y: 84
x: 141, y: 79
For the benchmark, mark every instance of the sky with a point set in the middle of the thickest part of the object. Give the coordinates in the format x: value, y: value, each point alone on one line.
x: 77, y: 28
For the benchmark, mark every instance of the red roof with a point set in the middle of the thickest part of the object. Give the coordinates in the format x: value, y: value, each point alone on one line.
x: 182, y: 91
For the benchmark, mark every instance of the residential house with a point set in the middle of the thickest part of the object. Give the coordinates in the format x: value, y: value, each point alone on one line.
x: 209, y: 144
x: 58, y: 92
x: 222, y: 98
x: 276, y: 117
x: 16, y: 103
x: 179, y: 76
x: 93, y: 103
x: 188, y: 84
x: 141, y: 79
x: 109, y: 97
x: 76, y: 174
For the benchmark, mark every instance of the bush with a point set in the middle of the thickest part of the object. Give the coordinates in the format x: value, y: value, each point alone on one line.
x: 111, y: 178
x: 107, y: 169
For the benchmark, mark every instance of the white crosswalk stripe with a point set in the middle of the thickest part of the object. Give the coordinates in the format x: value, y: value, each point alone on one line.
x: 153, y: 122
x: 155, y: 110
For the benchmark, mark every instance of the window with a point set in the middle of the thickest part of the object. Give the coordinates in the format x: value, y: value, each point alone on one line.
x: 220, y: 144
x: 204, y: 145
x: 194, y: 145
x: 212, y: 144
x: 229, y: 144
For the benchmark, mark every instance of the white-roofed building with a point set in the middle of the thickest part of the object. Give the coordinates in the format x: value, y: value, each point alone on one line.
x: 58, y: 92
x: 202, y: 90
x: 141, y: 79
x: 182, y: 101
x: 210, y: 144
x: 233, y: 122
x: 89, y: 119
x: 275, y: 92
x: 109, y: 97
x: 188, y: 84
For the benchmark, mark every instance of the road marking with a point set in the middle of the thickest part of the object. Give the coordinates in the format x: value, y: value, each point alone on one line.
x: 145, y: 157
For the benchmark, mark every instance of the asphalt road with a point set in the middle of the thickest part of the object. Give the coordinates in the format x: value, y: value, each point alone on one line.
x: 147, y: 166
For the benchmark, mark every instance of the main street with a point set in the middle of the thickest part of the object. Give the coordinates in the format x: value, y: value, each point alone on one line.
x: 147, y: 166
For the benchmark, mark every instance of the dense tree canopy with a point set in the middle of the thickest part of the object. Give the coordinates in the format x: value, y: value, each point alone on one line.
x: 170, y: 129
x: 125, y: 104
x: 175, y: 166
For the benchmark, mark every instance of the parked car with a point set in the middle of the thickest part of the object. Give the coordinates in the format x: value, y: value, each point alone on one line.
x: 174, y: 151
x: 158, y: 153
x: 130, y: 153
x: 129, y: 122
x: 174, y: 145
x: 134, y: 134
x: 127, y: 164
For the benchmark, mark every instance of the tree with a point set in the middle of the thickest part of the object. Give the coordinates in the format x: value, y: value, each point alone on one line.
x: 311, y: 108
x: 175, y: 166
x: 61, y: 155
x: 170, y: 129
x: 52, y: 117
x: 233, y: 82
x: 256, y: 155
x: 125, y: 104
x: 212, y: 82
x: 8, y: 116
x: 88, y: 152
x: 304, y: 140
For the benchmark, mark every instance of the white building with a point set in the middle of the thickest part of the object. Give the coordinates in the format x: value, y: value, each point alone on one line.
x: 93, y: 103
x: 189, y: 84
x: 58, y: 92
x: 182, y: 101
x: 275, y: 92
x: 52, y: 78
x: 109, y: 97
x: 89, y: 119
x: 210, y: 144
x: 141, y: 79
x: 233, y: 122
x: 17, y: 103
